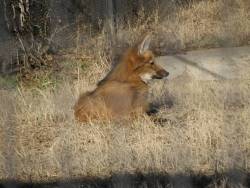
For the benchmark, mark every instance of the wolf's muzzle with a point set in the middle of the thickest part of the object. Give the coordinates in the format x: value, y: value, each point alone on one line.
x: 160, y: 74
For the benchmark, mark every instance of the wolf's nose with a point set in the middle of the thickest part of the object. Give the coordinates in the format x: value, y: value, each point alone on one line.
x: 163, y: 73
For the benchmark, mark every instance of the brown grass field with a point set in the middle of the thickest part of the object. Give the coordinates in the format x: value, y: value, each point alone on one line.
x: 207, y: 129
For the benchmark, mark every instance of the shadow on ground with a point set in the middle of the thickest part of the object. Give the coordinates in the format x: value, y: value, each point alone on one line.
x: 231, y: 179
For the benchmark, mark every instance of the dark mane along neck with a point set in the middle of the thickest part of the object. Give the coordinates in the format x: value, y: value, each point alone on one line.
x: 121, y: 71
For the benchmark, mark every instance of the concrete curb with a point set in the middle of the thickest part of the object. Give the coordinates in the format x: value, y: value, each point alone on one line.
x: 211, y: 64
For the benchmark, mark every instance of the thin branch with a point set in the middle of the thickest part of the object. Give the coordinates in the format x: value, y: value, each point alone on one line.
x: 5, y: 14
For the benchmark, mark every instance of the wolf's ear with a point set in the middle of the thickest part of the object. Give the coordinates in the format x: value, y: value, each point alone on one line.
x: 144, y: 45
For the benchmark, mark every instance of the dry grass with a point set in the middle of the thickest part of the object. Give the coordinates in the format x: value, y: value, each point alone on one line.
x: 205, y: 24
x: 207, y: 129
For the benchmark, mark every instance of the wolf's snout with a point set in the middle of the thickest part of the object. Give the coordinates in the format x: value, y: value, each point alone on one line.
x: 164, y: 73
x: 161, y: 74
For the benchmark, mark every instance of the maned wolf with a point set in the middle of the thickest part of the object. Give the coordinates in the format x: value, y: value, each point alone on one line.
x: 124, y: 91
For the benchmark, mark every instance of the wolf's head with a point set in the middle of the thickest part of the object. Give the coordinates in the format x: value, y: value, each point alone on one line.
x: 137, y: 64
x: 143, y: 62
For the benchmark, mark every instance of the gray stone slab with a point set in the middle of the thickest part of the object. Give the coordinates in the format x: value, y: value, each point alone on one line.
x: 211, y: 64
